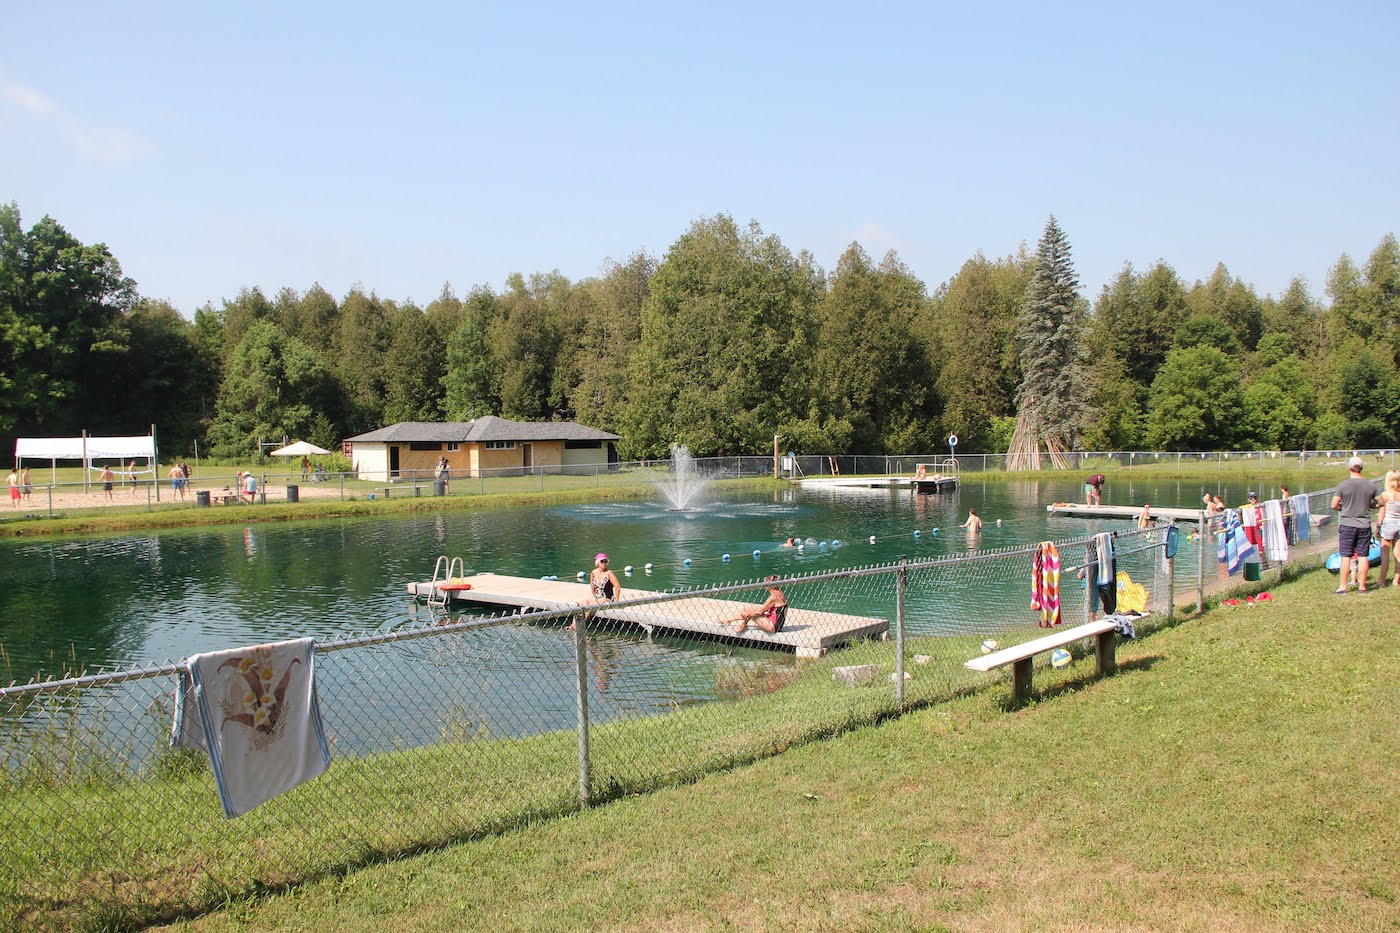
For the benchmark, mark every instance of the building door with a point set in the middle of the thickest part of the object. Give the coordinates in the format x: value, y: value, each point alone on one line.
x: 527, y: 457
x: 393, y: 461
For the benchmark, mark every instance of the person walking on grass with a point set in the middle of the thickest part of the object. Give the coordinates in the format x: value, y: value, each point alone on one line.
x: 1355, y: 498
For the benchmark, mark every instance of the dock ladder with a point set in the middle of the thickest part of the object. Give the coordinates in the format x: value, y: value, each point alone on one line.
x: 443, y: 570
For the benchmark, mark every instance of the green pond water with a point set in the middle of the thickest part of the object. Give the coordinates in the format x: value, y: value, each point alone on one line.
x: 113, y: 602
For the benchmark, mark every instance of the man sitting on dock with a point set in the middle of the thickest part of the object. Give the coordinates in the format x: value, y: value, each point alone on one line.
x: 770, y: 616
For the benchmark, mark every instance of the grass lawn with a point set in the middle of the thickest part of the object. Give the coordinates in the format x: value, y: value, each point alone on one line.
x: 1239, y: 774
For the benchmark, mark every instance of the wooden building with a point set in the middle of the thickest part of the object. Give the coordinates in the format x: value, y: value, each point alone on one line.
x: 494, y: 445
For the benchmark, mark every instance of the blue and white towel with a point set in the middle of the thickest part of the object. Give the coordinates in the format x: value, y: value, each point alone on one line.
x: 1103, y: 556
x: 1302, y: 517
x: 1123, y: 624
x: 255, y: 711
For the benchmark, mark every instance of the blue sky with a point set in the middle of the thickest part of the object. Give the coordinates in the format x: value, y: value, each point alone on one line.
x: 221, y: 146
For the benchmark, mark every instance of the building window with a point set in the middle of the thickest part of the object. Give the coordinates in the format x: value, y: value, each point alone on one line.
x: 453, y: 447
x: 582, y: 445
x: 424, y: 445
x: 500, y: 445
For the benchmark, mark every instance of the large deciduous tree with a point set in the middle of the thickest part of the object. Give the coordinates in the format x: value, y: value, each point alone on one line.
x: 720, y: 342
x: 1195, y: 401
x: 63, y: 307
x: 974, y: 319
x: 274, y: 386
x: 871, y: 370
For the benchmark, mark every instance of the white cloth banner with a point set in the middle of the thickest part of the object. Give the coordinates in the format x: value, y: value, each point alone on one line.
x: 141, y: 446
x: 49, y: 448
x: 125, y: 448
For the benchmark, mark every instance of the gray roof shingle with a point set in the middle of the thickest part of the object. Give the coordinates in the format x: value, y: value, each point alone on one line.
x: 485, y: 428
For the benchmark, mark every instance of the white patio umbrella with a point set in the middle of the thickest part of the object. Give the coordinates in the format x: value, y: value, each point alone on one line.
x: 298, y: 449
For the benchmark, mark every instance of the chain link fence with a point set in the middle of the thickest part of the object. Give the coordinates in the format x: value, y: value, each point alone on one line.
x: 474, y: 724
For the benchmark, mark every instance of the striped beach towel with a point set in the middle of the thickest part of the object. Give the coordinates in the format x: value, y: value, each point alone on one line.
x: 1045, y: 583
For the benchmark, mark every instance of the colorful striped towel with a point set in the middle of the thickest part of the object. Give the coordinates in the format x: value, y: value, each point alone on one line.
x: 1045, y: 584
x: 255, y: 711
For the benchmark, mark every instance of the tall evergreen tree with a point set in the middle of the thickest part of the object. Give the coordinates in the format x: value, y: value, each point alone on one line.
x: 1053, y: 398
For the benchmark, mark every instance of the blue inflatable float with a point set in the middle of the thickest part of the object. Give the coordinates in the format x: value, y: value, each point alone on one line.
x: 1373, y: 557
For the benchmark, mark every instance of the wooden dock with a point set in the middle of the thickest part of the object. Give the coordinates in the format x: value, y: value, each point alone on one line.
x: 929, y: 485
x: 807, y: 631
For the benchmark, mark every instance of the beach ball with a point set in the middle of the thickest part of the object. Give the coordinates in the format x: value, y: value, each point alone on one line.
x: 1060, y: 658
x: 989, y: 646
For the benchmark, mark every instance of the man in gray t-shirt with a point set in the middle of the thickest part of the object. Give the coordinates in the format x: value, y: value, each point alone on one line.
x: 1355, y: 499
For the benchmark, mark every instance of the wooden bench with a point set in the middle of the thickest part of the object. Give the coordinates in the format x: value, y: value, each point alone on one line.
x: 1020, y: 656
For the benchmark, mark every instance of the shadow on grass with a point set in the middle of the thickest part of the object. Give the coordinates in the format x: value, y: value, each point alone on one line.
x: 1010, y: 704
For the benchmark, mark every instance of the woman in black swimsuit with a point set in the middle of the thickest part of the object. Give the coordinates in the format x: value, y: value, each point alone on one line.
x: 771, y: 616
x: 603, y: 584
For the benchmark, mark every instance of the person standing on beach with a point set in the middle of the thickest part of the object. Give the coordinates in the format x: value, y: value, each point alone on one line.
x: 26, y: 485
x: 131, y: 472
x: 14, y: 489
x: 107, y: 478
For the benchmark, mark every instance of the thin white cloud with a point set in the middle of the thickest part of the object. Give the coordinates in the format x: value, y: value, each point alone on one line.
x: 26, y: 97
x: 91, y: 141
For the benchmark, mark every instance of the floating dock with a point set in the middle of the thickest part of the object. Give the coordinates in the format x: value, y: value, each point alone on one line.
x: 808, y: 632
x: 1120, y: 511
x: 1128, y: 511
x: 930, y: 485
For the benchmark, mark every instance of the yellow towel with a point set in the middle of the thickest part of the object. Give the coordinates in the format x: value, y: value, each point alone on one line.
x: 1132, y: 597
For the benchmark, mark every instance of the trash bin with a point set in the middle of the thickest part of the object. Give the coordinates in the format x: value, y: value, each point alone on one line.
x: 201, y: 498
x: 293, y: 493
x: 439, y: 488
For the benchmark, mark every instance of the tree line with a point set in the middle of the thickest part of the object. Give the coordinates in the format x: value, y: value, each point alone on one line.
x: 728, y: 338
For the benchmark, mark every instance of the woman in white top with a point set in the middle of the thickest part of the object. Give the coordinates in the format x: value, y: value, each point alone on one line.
x: 1390, y: 525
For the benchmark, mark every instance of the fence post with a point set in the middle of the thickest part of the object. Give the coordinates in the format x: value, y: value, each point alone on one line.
x: 581, y: 677
x: 1202, y: 541
x: 901, y: 583
x: 1171, y: 572
x: 342, y: 487
x: 1091, y: 579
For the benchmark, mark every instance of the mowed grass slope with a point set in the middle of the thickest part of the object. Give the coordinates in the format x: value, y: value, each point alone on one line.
x: 1239, y: 774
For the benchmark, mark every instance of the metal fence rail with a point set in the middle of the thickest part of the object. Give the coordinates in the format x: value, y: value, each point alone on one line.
x: 449, y: 731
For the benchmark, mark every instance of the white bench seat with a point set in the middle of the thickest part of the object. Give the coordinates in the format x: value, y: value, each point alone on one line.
x: 1021, y: 656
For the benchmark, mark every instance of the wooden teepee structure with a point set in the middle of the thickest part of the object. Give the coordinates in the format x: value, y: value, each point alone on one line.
x: 1027, y: 441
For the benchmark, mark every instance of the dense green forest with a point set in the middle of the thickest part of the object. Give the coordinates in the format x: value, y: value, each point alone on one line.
x: 723, y: 341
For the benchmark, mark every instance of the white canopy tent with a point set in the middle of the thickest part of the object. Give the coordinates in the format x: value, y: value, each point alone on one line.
x: 299, y: 449
x: 87, y: 449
